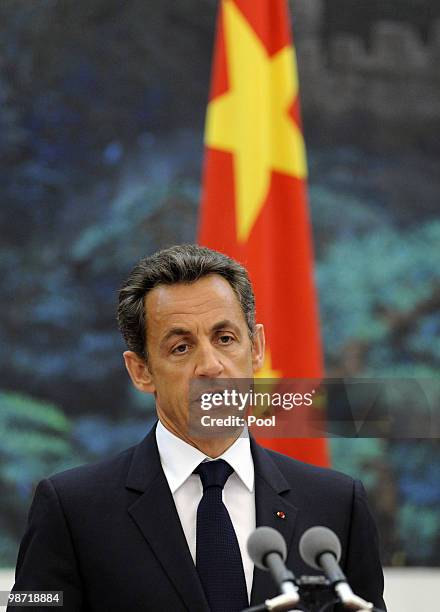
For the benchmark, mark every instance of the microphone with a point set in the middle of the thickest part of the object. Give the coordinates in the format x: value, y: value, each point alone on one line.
x: 320, y: 548
x: 267, y: 549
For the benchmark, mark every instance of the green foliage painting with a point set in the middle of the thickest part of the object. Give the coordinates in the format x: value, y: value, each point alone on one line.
x: 34, y: 442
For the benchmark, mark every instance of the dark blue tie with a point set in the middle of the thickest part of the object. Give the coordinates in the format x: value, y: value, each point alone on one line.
x: 218, y: 557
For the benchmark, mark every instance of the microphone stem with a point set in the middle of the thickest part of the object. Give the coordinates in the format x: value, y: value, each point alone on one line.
x: 350, y: 600
x: 330, y: 566
x: 284, y: 579
x: 282, y: 576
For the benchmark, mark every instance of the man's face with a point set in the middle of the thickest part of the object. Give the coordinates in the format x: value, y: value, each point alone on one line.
x: 194, y: 331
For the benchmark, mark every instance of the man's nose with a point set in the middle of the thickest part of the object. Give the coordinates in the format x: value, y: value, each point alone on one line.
x: 208, y: 363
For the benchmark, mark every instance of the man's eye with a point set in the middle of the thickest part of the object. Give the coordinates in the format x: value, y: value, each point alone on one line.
x: 225, y: 339
x: 181, y: 349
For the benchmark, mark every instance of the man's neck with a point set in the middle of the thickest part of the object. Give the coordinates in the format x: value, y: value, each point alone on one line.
x: 211, y: 447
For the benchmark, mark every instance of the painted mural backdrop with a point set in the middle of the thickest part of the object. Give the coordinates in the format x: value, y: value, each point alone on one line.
x: 101, y: 121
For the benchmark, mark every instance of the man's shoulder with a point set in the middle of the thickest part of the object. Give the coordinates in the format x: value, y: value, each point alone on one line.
x: 110, y: 472
x: 319, y: 492
x: 310, y: 477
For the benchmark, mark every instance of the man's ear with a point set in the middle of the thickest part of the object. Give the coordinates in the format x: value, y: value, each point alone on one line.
x: 258, y: 345
x: 139, y: 372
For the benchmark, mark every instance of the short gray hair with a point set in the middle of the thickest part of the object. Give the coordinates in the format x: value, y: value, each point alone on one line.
x: 185, y: 263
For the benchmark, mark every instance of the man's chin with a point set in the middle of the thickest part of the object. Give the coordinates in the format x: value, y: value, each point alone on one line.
x: 218, y: 423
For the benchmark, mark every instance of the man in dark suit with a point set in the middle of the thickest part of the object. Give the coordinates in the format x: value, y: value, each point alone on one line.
x: 163, y: 526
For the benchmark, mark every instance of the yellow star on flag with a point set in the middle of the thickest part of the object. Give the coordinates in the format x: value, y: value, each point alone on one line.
x: 252, y: 118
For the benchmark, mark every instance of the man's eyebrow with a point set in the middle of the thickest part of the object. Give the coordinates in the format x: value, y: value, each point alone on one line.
x: 225, y: 324
x: 175, y: 331
x: 183, y: 331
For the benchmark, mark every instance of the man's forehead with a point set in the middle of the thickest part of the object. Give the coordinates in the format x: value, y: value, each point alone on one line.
x: 209, y: 295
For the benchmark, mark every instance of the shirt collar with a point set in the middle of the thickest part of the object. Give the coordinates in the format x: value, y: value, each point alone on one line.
x: 179, y: 459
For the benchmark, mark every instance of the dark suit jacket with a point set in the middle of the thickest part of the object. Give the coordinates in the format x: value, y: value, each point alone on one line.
x: 109, y: 536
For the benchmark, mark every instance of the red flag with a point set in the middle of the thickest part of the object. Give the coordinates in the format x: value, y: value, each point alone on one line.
x: 254, y: 204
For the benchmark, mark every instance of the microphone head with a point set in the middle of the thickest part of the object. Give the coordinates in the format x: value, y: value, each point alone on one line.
x: 318, y: 540
x: 265, y: 540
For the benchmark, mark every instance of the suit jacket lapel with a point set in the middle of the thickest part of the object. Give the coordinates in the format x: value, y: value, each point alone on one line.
x: 156, y: 516
x: 271, y: 488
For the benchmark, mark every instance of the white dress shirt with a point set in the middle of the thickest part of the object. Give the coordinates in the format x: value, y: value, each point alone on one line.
x: 180, y: 459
